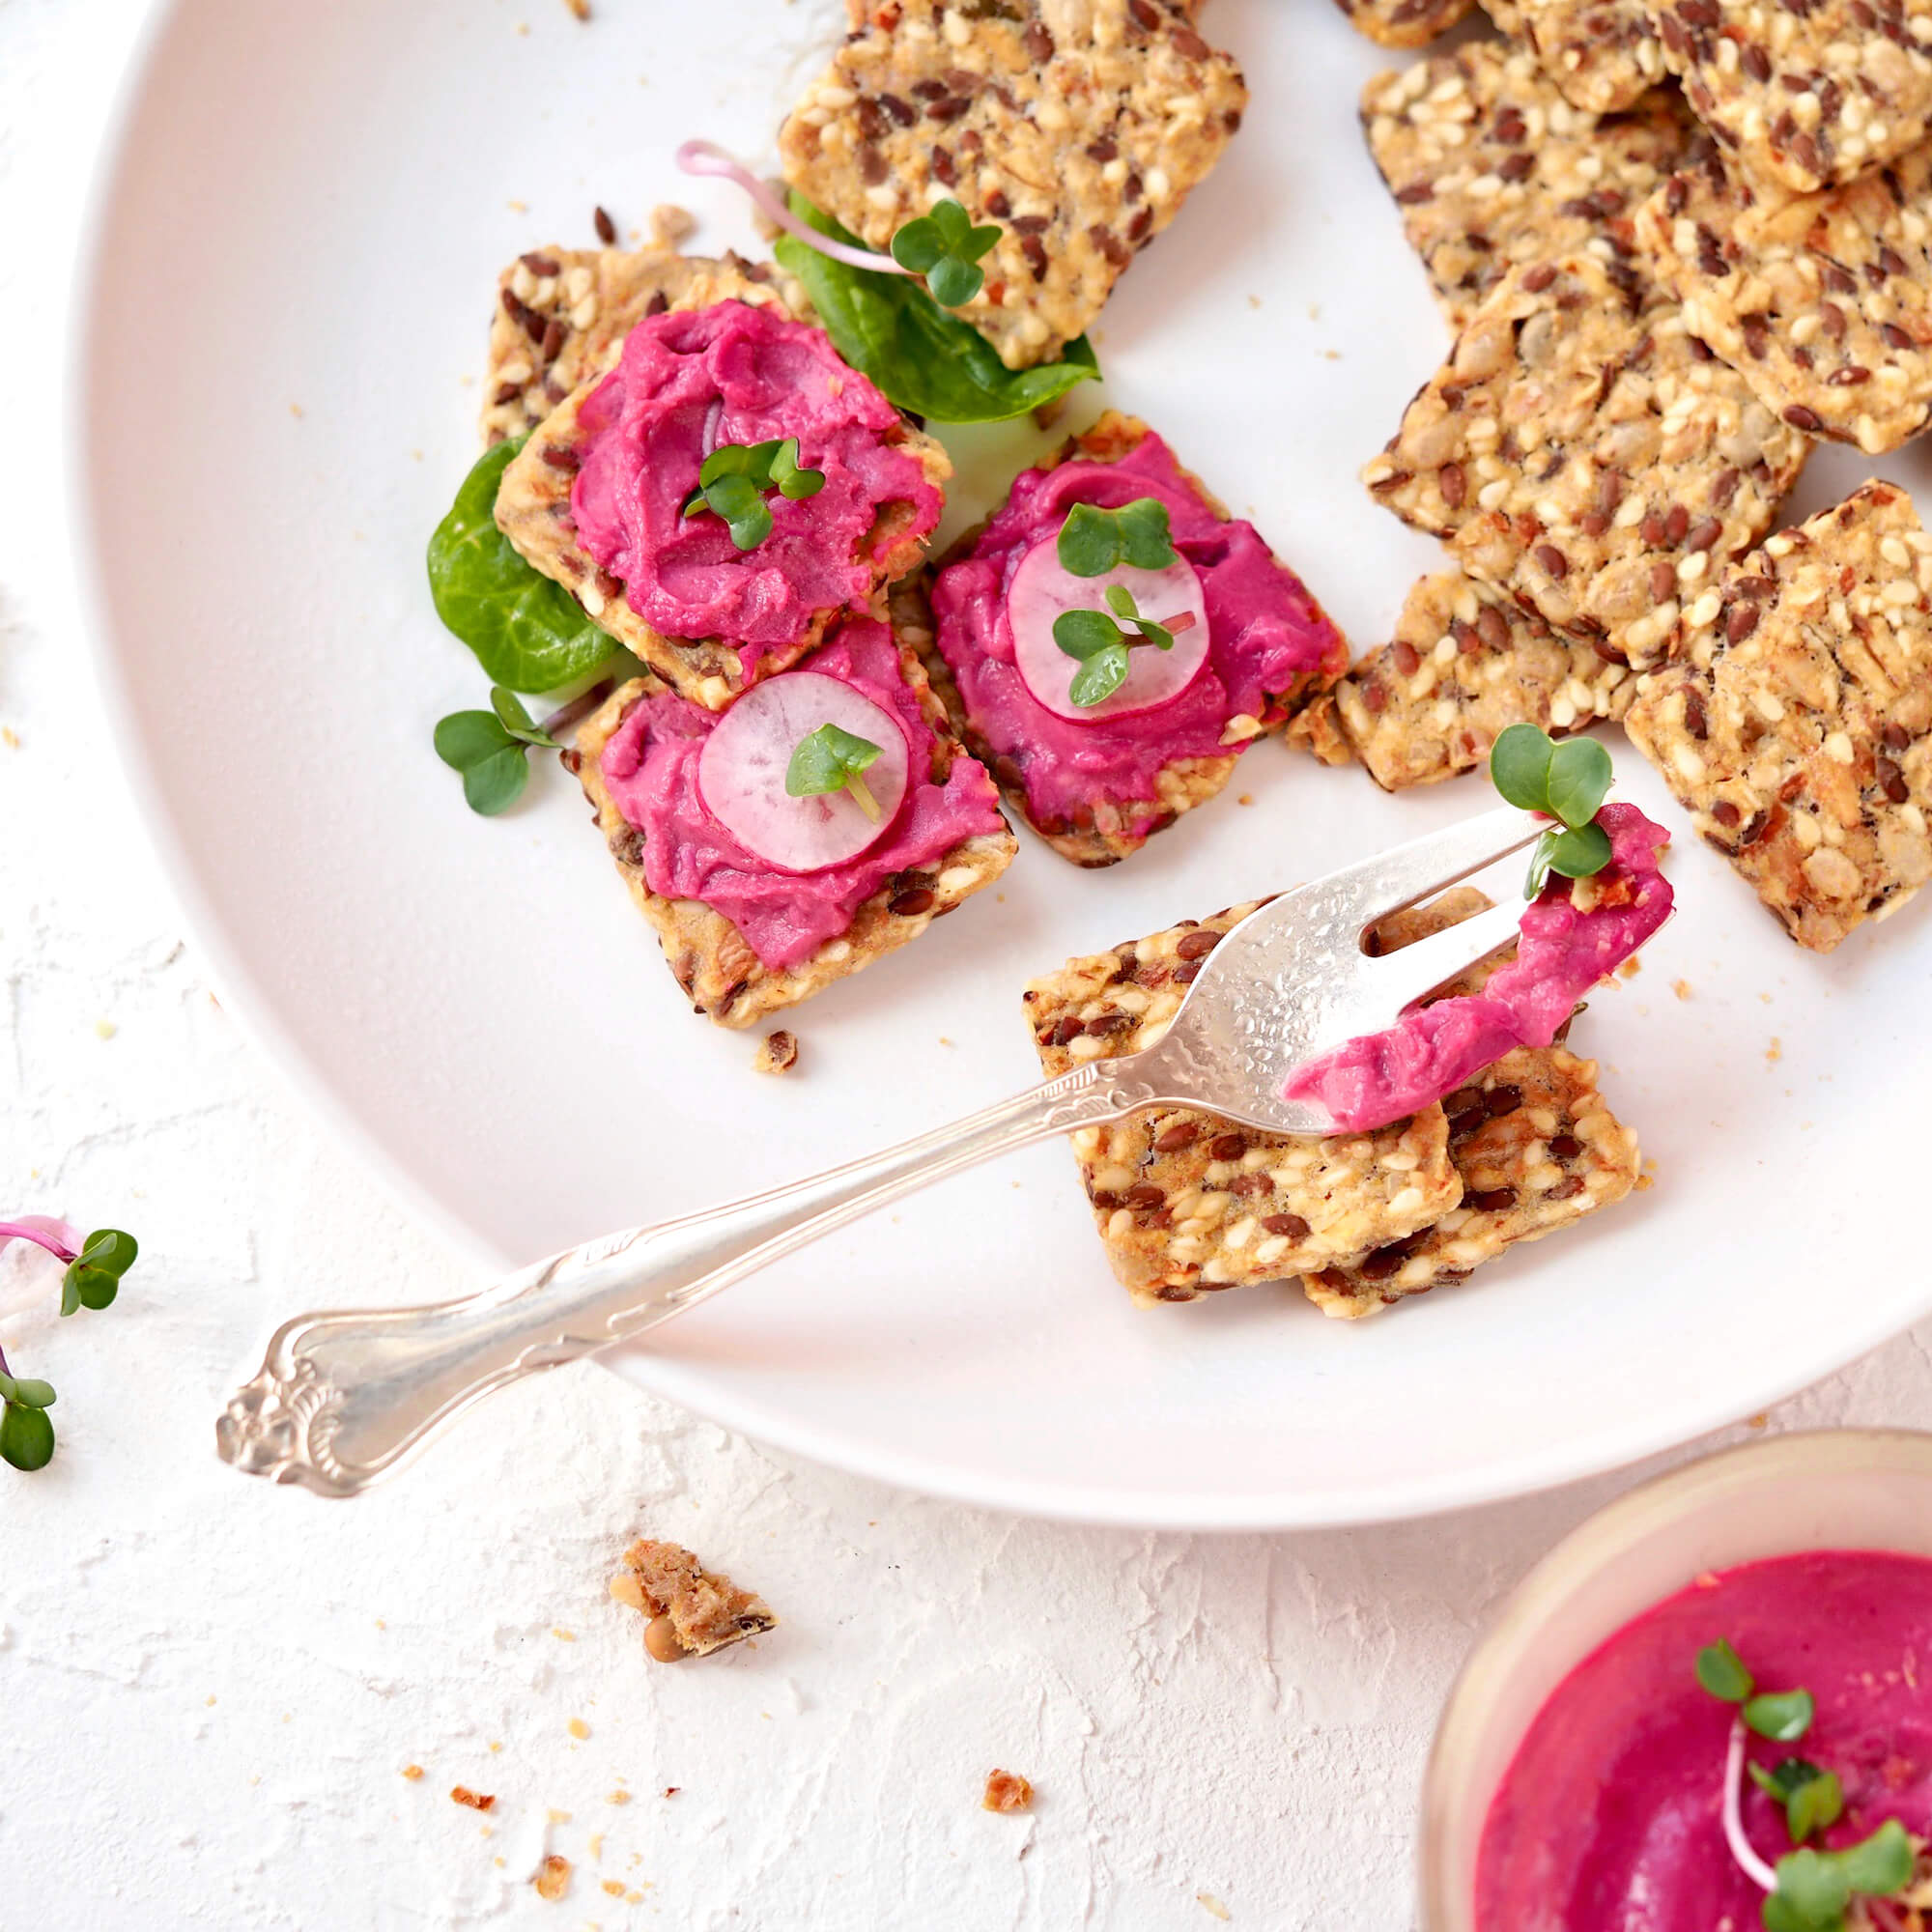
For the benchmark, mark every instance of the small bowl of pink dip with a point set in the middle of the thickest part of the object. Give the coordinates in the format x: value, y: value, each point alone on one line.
x: 1580, y: 1770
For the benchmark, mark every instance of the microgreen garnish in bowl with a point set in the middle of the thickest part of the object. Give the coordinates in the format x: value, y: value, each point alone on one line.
x: 94, y: 1265
x: 1808, y: 1891
x: 1093, y: 541
x: 1101, y: 642
x: 829, y: 759
x: 734, y: 478
x: 945, y: 247
x: 1566, y: 782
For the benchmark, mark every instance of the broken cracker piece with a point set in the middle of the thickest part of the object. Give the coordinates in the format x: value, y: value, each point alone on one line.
x: 1403, y: 23
x: 706, y: 1610
x: 777, y: 1053
x: 1007, y: 1791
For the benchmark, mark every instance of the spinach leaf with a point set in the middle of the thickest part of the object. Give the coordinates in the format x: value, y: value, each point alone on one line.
x: 527, y: 632
x: 924, y: 359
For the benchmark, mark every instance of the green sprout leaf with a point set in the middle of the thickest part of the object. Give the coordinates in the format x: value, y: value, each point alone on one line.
x: 517, y: 721
x: 93, y: 1278
x: 1881, y: 1865
x: 27, y: 1392
x: 1120, y: 600
x: 1580, y: 854
x: 490, y: 750
x: 527, y: 632
x: 829, y: 759
x: 1720, y: 1670
x: 1082, y: 634
x: 1781, y: 1716
x: 1102, y: 674
x: 930, y: 362
x: 731, y: 482
x: 1579, y: 780
x: 794, y: 483
x: 1811, y: 1895
x: 1813, y: 1799
x: 945, y: 247
x: 1093, y: 541
x: 1519, y: 767
x: 26, y: 1435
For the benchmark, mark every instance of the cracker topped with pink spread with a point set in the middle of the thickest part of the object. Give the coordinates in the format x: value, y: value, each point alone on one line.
x: 1097, y: 778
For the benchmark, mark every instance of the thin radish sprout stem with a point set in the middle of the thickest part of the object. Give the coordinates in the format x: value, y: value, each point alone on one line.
x: 580, y: 708
x: 1754, y: 1867
x: 707, y: 157
x: 13, y: 1230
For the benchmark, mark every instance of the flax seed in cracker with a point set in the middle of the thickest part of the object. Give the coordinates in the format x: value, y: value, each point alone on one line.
x: 1804, y: 96
x: 1536, y: 1148
x: 1187, y: 1203
x: 1798, y: 728
x: 1403, y: 23
x: 709, y: 956
x: 1465, y: 664
x: 1492, y: 167
x: 1076, y: 127
x: 534, y: 511
x: 1587, y: 455
x: 1823, y: 303
x: 1604, y: 54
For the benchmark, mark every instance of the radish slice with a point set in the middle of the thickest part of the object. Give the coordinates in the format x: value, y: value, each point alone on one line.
x: 741, y: 772
x: 1044, y: 589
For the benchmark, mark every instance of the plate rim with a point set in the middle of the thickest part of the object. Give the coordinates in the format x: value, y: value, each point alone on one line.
x: 254, y: 1011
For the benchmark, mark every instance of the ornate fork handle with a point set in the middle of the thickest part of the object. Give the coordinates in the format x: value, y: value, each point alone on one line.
x: 343, y: 1399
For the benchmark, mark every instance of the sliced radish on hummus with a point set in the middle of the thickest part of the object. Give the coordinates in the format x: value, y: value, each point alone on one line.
x: 742, y: 770
x: 1043, y: 590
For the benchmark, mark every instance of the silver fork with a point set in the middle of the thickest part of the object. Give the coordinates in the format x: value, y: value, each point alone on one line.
x: 345, y: 1398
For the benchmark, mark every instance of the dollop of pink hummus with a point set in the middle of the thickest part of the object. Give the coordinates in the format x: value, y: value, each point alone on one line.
x: 689, y: 382
x: 1563, y: 953
x: 1610, y: 1818
x: 1269, y: 638
x: 651, y: 768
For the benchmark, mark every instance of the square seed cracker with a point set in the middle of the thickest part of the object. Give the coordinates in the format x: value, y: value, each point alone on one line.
x: 1077, y: 127
x: 1587, y: 455
x: 1798, y: 728
x: 710, y: 959
x: 1604, y: 54
x: 1823, y: 303
x: 1465, y: 664
x: 1187, y: 1202
x: 1805, y: 92
x: 1403, y: 23
x: 1494, y: 168
x: 1536, y: 1148
x: 534, y: 511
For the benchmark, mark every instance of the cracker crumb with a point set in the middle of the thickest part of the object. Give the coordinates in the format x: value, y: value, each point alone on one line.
x: 1775, y: 1052
x: 552, y: 1879
x: 615, y: 1887
x: 1048, y: 414
x: 1246, y: 798
x: 606, y: 229
x: 672, y: 1790
x: 562, y: 1635
x: 692, y: 1610
x: 477, y: 1801
x: 296, y: 410
x: 1630, y: 967
x: 1758, y: 1421
x: 558, y: 1817
x: 9, y: 738
x: 1680, y: 987
x: 1254, y: 301
x: 671, y: 223
x: 777, y: 1053
x: 616, y: 1797
x: 578, y: 1728
x: 1007, y: 1791
x: 580, y: 9
x: 517, y: 207
x: 413, y: 1772
x: 1212, y: 1906
x: 105, y: 1029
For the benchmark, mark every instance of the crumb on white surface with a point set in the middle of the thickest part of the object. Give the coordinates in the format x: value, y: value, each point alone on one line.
x: 1007, y: 1791
x: 1680, y: 987
x: 1212, y: 1906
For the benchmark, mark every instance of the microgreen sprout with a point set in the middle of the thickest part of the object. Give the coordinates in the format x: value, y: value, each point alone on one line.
x: 1093, y: 541
x: 490, y: 749
x: 94, y: 1265
x: 1101, y: 642
x: 829, y: 761
x: 734, y: 478
x: 1808, y: 1891
x: 1566, y: 782
x: 945, y: 247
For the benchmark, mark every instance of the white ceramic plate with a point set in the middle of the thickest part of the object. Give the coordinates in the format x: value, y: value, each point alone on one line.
x: 294, y: 248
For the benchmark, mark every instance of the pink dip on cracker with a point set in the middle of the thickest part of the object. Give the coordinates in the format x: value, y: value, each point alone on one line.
x: 1268, y: 637
x: 651, y: 768
x: 689, y: 382
x: 1433, y: 1050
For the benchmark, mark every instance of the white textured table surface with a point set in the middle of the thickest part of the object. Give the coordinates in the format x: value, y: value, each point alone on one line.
x: 211, y: 1689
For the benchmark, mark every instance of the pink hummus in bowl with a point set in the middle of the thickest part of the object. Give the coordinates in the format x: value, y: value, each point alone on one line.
x: 1268, y: 640
x: 651, y: 768
x: 689, y: 382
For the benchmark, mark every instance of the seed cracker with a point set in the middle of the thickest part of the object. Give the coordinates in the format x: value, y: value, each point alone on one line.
x: 1587, y: 455
x: 1604, y: 54
x: 1077, y: 127
x: 1536, y: 1148
x: 710, y: 959
x: 534, y: 511
x: 1823, y: 303
x: 1187, y: 1202
x: 1798, y: 728
x: 1403, y: 23
x: 1494, y: 168
x: 1466, y: 662
x: 705, y: 1607
x: 1805, y: 95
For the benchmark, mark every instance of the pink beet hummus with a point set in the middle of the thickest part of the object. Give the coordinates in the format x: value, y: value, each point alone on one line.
x: 1433, y: 1050
x: 690, y: 381
x: 1610, y: 1818
x: 1268, y: 638
x: 651, y: 768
